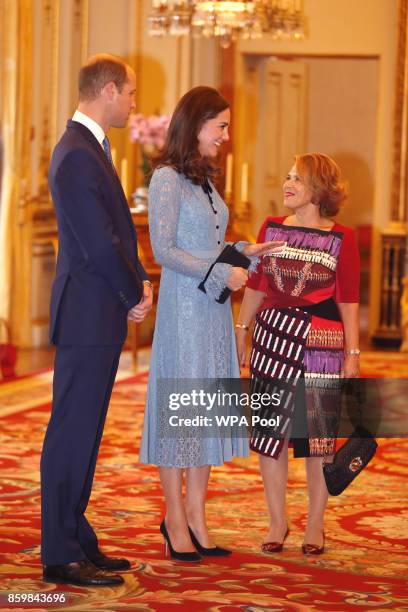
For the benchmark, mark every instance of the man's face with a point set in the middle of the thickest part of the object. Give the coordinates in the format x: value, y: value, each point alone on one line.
x: 123, y: 102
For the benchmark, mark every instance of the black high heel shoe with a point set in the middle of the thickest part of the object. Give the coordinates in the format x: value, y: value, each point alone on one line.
x: 190, y: 557
x: 216, y: 551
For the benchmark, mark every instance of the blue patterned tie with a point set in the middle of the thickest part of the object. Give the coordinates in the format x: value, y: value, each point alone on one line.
x: 106, y: 148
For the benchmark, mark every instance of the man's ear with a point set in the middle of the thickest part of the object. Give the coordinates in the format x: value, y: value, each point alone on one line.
x: 109, y: 90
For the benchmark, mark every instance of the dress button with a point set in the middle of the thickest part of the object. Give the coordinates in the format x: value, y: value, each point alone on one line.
x: 219, y: 242
x: 217, y: 227
x: 215, y: 212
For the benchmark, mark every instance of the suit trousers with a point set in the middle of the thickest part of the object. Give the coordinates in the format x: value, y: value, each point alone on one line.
x: 82, y: 387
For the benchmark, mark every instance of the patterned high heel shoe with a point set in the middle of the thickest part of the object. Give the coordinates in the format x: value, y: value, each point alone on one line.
x: 313, y: 549
x: 190, y: 557
x: 274, y: 547
x: 215, y: 551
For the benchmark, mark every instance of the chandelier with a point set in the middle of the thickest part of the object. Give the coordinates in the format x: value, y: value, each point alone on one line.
x: 227, y: 19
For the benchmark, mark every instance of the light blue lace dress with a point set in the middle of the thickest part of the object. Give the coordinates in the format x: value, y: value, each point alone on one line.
x: 194, y: 335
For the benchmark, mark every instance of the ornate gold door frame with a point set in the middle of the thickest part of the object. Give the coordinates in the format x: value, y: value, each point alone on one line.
x: 394, y: 238
x: 15, y: 120
x: 55, y: 49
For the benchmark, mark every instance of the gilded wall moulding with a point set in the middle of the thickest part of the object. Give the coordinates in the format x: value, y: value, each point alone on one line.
x: 399, y: 194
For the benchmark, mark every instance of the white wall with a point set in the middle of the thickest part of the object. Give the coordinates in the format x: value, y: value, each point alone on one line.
x: 351, y: 28
x: 165, y: 68
x: 336, y: 28
x: 111, y: 25
x: 342, y: 120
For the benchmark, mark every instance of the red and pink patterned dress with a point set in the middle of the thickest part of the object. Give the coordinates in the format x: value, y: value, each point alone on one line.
x: 298, y: 332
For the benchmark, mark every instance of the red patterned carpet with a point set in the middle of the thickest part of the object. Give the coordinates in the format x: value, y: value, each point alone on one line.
x: 364, y: 568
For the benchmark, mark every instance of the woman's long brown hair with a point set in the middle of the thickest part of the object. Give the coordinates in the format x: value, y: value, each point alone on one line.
x: 180, y: 150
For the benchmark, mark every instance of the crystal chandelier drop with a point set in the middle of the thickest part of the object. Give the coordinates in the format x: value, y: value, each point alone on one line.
x: 227, y: 19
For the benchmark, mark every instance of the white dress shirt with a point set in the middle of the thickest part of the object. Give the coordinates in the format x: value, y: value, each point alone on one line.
x: 92, y: 126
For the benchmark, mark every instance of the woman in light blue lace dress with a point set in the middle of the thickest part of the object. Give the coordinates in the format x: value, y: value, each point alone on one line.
x: 194, y: 335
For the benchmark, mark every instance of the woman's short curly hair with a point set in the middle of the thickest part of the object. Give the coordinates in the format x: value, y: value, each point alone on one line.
x: 324, y: 177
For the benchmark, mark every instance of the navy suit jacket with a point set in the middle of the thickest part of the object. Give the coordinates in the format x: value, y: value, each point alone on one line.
x: 98, y: 275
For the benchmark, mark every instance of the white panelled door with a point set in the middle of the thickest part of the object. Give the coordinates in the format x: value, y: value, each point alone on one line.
x: 280, y: 133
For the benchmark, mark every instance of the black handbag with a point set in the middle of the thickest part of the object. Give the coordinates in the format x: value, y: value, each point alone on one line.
x: 349, y: 460
x: 228, y: 255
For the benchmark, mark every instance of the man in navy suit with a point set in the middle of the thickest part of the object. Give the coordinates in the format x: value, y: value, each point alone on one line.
x: 99, y: 284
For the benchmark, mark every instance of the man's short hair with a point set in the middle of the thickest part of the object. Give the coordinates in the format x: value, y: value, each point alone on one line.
x: 97, y: 72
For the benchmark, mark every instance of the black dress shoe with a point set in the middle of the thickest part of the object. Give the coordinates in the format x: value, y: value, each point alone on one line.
x: 113, y: 564
x: 80, y: 573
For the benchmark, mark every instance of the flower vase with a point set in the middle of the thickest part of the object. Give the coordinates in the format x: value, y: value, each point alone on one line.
x: 139, y: 198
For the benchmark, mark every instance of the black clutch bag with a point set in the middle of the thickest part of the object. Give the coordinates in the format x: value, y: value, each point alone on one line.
x: 228, y: 255
x: 349, y: 461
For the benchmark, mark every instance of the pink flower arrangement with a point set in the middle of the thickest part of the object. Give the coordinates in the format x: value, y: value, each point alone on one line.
x: 150, y: 131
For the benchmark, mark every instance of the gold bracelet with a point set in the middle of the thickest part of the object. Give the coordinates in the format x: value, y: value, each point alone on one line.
x: 242, y: 326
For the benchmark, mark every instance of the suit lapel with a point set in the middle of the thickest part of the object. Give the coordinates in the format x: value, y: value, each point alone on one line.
x: 90, y: 138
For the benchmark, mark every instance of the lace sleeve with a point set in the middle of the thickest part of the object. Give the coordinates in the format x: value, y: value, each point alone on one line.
x: 217, y: 280
x: 164, y: 210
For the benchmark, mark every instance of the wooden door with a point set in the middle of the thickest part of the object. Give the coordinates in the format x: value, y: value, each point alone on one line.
x: 280, y: 132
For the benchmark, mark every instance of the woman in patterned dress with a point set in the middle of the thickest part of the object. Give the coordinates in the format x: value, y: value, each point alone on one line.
x: 194, y: 334
x: 305, y: 303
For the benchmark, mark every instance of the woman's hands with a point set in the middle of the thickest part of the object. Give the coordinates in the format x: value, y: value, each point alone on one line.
x: 241, y: 337
x: 237, y: 278
x: 249, y: 307
x: 261, y: 248
x: 351, y: 367
x: 350, y: 319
